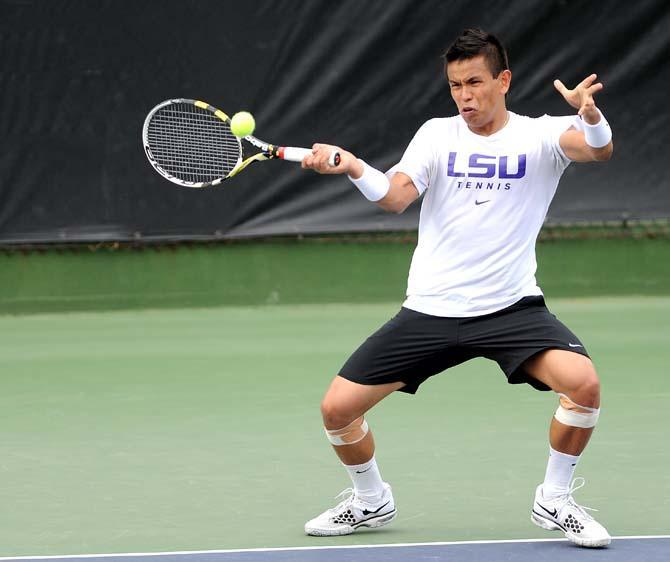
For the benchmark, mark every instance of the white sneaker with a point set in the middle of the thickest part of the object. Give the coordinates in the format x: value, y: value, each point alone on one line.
x: 352, y: 513
x: 564, y: 514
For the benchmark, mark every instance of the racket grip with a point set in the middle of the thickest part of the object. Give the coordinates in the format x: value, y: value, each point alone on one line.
x: 294, y: 154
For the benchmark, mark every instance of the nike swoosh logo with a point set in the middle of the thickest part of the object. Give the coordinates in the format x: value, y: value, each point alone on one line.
x: 481, y: 202
x: 554, y: 513
x: 362, y: 471
x: 575, y: 345
x: 366, y: 512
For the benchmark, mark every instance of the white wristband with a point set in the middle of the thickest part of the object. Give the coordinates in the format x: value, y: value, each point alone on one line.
x: 373, y: 184
x: 597, y: 135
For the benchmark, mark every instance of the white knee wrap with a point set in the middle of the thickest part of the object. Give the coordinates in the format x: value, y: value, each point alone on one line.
x: 353, y: 433
x: 569, y: 413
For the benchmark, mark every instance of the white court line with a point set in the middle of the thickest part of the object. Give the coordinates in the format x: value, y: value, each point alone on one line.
x: 293, y: 548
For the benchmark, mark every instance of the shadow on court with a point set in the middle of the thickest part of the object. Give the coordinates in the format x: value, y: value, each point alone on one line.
x: 634, y: 549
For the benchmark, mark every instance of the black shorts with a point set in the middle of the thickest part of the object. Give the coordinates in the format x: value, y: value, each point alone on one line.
x: 413, y: 346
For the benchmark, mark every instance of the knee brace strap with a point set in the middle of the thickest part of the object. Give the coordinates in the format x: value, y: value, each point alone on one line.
x: 353, y: 433
x: 569, y: 413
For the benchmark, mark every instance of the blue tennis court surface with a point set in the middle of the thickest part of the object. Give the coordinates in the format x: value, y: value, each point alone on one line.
x: 622, y: 549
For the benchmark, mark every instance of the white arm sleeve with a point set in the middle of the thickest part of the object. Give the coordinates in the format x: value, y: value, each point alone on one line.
x: 552, y: 129
x: 418, y: 161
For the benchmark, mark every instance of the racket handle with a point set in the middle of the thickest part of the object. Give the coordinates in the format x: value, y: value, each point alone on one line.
x: 294, y: 154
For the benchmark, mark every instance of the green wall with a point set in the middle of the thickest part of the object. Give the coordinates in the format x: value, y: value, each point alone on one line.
x: 294, y: 271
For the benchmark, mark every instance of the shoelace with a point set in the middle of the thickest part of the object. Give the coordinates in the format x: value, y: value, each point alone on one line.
x: 349, y: 499
x: 344, y: 492
x: 576, y: 484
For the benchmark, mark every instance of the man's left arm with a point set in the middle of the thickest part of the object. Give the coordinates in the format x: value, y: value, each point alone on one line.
x: 594, y: 142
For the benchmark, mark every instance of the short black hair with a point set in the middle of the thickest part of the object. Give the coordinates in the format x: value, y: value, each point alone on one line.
x: 474, y: 42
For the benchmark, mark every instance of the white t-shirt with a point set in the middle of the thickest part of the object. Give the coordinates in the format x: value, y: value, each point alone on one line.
x: 485, y: 201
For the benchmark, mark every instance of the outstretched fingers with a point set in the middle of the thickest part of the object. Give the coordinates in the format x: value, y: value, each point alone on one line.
x: 581, y: 96
x: 587, y: 81
x: 595, y: 88
x: 560, y: 87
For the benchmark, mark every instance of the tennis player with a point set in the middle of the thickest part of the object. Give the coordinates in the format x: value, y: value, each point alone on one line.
x: 487, y: 176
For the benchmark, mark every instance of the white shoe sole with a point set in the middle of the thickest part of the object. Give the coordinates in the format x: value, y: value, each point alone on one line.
x: 550, y: 525
x: 372, y: 523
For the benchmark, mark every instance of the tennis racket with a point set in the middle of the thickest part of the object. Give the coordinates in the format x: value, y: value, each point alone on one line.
x: 190, y: 143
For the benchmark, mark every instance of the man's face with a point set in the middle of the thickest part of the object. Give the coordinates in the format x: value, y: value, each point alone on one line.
x: 478, y: 95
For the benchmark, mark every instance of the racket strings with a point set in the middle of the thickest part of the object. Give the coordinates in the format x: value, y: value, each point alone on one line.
x: 192, y: 144
x: 196, y: 144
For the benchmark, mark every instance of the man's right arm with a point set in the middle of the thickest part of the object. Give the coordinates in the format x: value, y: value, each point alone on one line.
x: 402, y: 193
x: 393, y: 195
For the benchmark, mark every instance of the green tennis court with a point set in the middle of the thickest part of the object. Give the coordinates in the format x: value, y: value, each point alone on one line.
x: 196, y: 429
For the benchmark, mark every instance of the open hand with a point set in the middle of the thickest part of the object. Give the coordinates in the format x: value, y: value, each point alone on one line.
x: 581, y: 97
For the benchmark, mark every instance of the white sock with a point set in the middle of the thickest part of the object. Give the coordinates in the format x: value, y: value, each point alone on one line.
x: 560, y: 470
x: 368, y: 484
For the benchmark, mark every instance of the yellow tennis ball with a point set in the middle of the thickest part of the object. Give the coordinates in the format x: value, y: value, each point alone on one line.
x: 242, y: 124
